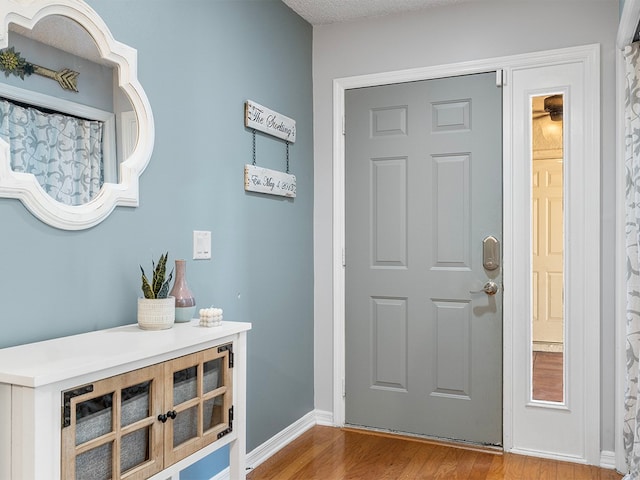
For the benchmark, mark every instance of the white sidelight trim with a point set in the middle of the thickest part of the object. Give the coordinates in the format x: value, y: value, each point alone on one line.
x: 540, y: 428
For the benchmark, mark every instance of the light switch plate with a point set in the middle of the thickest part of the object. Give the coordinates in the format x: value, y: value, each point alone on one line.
x: 201, y: 245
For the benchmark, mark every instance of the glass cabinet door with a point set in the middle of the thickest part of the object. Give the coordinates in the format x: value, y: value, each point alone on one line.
x: 110, y: 428
x: 199, y: 403
x: 134, y: 425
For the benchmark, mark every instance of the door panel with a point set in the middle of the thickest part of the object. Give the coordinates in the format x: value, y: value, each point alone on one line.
x: 389, y: 211
x: 389, y: 334
x: 548, y: 248
x: 423, y: 189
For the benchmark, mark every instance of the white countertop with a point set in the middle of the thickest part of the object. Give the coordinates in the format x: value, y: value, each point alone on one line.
x: 50, y: 361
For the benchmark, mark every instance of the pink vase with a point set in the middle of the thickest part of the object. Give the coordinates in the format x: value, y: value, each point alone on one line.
x: 185, y: 301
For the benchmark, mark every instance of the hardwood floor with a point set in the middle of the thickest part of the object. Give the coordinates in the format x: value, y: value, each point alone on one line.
x: 328, y: 453
x: 547, y: 376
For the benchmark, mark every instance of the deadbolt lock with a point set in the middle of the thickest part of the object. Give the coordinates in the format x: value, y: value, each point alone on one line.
x: 491, y: 253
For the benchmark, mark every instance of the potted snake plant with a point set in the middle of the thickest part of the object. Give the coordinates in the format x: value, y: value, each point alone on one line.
x: 156, y: 309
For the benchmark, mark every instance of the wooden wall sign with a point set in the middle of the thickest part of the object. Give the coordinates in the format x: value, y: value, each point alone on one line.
x: 269, y: 122
x: 273, y: 182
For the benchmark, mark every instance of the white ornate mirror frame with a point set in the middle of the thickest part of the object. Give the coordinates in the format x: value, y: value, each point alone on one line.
x: 24, y: 186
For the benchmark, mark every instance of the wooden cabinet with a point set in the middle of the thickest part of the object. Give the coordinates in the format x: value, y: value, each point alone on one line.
x: 138, y: 413
x: 198, y: 398
x: 134, y: 425
x: 109, y: 427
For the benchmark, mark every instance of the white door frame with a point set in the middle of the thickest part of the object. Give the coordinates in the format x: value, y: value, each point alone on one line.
x: 503, y: 65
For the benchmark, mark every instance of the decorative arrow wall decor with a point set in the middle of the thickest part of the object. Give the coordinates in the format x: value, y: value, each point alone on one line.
x: 11, y: 63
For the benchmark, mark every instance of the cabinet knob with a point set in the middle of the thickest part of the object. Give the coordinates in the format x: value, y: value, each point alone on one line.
x: 172, y: 414
x: 162, y: 417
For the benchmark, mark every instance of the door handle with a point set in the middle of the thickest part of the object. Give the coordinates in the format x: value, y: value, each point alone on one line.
x: 490, y: 288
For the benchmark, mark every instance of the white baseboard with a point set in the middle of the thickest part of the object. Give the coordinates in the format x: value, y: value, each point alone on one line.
x: 261, y: 453
x: 548, y: 455
x: 325, y: 418
x: 608, y: 459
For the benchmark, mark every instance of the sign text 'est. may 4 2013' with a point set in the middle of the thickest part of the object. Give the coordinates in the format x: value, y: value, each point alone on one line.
x: 263, y: 180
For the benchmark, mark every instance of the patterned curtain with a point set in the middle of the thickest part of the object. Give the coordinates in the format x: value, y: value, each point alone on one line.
x: 631, y: 428
x: 64, y: 153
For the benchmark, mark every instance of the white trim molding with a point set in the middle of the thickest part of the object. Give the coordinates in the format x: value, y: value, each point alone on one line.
x: 588, y: 287
x: 24, y: 186
x: 608, y: 460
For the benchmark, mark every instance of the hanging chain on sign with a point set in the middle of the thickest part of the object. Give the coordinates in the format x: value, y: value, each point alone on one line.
x: 253, y: 130
x: 287, y: 156
x: 264, y: 180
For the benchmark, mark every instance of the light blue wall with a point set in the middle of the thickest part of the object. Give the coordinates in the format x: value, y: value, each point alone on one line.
x: 199, y: 60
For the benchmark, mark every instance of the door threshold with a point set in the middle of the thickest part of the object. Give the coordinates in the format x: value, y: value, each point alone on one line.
x: 415, y: 437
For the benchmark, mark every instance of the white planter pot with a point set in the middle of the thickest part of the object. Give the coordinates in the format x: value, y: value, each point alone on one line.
x: 156, y: 313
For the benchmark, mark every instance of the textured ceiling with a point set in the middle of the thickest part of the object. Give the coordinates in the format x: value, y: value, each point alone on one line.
x: 318, y: 12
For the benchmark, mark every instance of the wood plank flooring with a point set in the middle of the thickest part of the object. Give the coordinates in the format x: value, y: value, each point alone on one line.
x: 547, y: 376
x: 328, y: 453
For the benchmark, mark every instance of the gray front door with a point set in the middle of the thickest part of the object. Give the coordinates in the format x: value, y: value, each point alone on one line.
x: 423, y: 189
